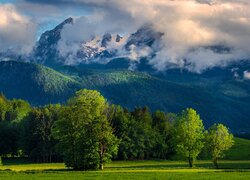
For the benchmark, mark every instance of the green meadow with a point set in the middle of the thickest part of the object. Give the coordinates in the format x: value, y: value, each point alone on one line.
x: 148, y: 169
x: 240, y: 150
x: 130, y: 170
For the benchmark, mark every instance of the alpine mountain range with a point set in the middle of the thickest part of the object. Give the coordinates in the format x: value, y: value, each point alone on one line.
x: 120, y: 67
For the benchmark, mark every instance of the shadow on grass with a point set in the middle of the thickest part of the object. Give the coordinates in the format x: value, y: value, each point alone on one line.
x: 15, y: 161
x: 164, y: 166
x: 203, y: 165
x: 227, y: 166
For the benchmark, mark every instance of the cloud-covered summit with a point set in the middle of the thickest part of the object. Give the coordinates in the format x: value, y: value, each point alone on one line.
x: 191, y: 28
x: 188, y: 26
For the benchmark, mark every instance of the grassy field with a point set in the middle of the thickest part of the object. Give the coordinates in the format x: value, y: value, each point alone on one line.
x: 240, y: 150
x: 229, y: 169
x: 130, y: 170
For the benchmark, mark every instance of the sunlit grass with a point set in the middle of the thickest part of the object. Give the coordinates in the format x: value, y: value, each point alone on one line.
x: 138, y: 166
x: 30, y: 167
x: 130, y: 170
x: 151, y: 169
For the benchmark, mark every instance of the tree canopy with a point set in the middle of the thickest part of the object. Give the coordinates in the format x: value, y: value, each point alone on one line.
x: 219, y: 140
x: 88, y: 132
x: 84, y: 132
x: 189, y: 135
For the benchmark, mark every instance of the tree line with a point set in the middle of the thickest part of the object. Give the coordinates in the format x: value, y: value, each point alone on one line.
x: 88, y: 132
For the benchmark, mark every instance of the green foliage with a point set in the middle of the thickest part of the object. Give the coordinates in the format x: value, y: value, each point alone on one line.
x: 4, y: 107
x: 139, y: 139
x: 87, y: 130
x: 189, y: 135
x: 143, y: 138
x: 215, y: 96
x: 19, y: 109
x: 12, y: 112
x: 84, y: 134
x: 37, y: 84
x: 164, y: 124
x: 121, y: 124
x: 219, y: 140
x: 37, y: 139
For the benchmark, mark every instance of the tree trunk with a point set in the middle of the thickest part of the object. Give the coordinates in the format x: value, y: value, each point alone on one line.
x: 1, y: 163
x: 101, y: 156
x: 101, y: 161
x: 101, y: 166
x: 190, y: 161
x: 215, y: 161
x: 50, y: 156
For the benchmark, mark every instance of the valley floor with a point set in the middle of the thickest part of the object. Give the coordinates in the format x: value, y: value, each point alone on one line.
x: 130, y: 170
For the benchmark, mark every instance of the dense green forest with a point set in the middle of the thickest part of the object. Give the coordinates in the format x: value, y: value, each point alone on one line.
x: 215, y: 95
x: 87, y: 132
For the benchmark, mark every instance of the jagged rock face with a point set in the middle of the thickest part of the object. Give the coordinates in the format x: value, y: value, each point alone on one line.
x: 106, y: 39
x: 101, y: 49
x: 98, y: 49
x: 46, y: 51
x: 118, y: 38
x: 145, y: 36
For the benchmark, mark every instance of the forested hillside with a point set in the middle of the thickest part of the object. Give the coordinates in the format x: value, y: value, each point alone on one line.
x: 41, y: 85
x: 35, y: 83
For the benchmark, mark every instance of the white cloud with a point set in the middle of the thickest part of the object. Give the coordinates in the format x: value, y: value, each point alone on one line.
x: 17, y: 32
x: 136, y: 53
x: 186, y: 24
x: 246, y: 75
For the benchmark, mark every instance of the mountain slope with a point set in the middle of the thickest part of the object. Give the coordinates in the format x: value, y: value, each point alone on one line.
x: 132, y: 89
x: 35, y: 83
x: 40, y: 85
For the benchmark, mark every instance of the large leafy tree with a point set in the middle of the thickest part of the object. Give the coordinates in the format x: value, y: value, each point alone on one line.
x: 219, y: 139
x: 85, y: 136
x: 189, y: 135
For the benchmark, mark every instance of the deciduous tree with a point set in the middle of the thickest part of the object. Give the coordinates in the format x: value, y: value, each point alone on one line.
x: 84, y: 132
x: 189, y: 135
x: 219, y: 140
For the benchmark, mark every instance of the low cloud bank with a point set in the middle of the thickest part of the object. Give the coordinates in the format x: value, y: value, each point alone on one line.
x: 191, y: 29
x: 17, y: 32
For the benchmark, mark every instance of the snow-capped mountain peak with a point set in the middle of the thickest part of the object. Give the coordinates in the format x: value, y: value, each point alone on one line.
x: 51, y: 49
